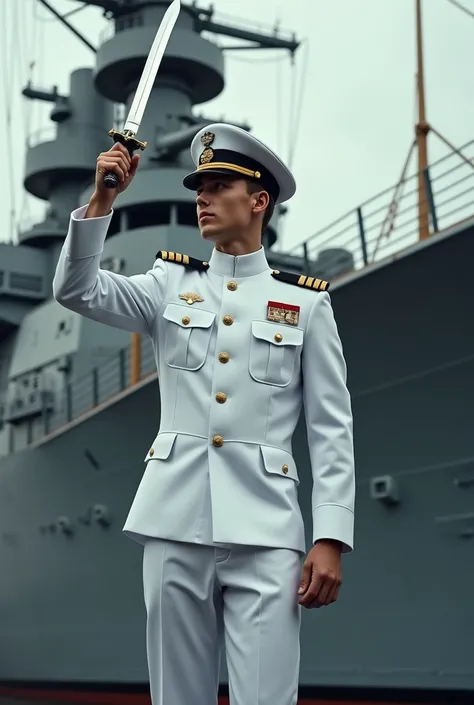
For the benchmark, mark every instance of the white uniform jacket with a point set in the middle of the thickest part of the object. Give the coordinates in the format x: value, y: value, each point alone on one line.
x: 232, y: 384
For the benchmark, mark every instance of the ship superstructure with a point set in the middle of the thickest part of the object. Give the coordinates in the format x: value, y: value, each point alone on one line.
x: 79, y: 402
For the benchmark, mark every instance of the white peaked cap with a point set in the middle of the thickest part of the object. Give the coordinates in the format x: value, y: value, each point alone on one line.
x: 225, y: 149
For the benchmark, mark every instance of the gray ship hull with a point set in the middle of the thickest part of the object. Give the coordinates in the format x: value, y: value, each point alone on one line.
x: 71, y: 607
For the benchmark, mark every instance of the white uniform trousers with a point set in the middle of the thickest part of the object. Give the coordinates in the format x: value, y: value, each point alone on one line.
x: 196, y: 595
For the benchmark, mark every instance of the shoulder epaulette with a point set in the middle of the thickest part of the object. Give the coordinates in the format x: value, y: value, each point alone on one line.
x: 301, y: 280
x: 185, y: 260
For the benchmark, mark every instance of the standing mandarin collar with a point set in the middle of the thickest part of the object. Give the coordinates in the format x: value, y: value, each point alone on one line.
x: 238, y: 266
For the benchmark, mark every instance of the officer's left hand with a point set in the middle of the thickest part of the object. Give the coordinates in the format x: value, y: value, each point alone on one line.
x: 321, y: 576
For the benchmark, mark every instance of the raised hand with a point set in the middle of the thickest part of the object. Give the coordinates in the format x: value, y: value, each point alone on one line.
x: 117, y: 160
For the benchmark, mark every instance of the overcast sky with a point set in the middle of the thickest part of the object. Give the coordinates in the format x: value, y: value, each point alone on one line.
x: 359, y: 106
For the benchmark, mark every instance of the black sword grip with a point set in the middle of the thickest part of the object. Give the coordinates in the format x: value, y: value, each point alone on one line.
x: 111, y: 179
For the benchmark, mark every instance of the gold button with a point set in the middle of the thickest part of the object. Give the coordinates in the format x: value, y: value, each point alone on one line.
x: 217, y: 441
x: 232, y: 286
x: 224, y: 357
x: 228, y: 320
x: 205, y: 264
x: 285, y: 469
x: 185, y: 320
x: 152, y: 451
x: 278, y: 337
x: 221, y: 397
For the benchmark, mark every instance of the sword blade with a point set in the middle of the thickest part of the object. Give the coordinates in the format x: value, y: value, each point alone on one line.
x: 152, y: 65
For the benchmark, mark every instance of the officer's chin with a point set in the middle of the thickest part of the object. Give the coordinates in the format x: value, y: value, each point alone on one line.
x: 209, y: 231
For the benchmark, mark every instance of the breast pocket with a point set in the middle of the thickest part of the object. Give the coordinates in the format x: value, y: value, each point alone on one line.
x: 273, y: 352
x: 187, y: 336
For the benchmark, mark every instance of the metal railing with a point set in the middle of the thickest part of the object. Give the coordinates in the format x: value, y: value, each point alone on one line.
x: 254, y: 26
x: 134, y: 20
x: 103, y: 383
x: 28, y: 222
x: 50, y: 132
x: 370, y: 232
x: 383, y: 226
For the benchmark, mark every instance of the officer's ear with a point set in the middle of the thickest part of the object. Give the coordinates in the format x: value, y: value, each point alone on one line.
x: 260, y: 201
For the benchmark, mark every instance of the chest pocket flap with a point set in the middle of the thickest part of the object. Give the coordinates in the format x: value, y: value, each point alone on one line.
x: 278, y: 335
x: 187, y: 336
x: 188, y: 316
x: 273, y: 352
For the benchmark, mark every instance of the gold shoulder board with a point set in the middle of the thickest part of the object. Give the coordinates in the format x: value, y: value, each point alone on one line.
x: 185, y: 260
x: 301, y: 280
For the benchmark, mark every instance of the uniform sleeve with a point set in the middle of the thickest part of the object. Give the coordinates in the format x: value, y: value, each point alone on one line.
x: 129, y: 303
x: 328, y: 414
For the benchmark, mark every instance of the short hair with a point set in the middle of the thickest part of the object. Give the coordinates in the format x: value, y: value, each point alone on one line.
x: 253, y: 187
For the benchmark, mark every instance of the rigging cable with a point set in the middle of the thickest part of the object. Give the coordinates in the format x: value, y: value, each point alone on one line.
x: 6, y: 81
x: 461, y: 7
x: 28, y: 105
x: 19, y: 36
x: 297, y: 103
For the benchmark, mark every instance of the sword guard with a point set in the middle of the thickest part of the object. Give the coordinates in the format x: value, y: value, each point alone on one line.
x: 130, y: 142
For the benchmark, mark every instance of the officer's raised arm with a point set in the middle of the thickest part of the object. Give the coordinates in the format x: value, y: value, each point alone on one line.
x: 329, y: 427
x: 80, y: 285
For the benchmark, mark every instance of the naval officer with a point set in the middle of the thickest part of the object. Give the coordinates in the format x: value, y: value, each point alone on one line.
x: 239, y: 349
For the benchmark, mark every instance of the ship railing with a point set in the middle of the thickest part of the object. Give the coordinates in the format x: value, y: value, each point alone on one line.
x: 50, y: 133
x: 370, y: 232
x: 388, y: 223
x: 265, y: 28
x: 28, y: 222
x: 135, y: 20
x: 102, y: 384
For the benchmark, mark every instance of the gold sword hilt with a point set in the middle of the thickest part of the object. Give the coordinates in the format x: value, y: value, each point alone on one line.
x: 130, y: 142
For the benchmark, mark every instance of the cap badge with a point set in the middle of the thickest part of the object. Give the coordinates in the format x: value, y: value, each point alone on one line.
x: 190, y: 297
x: 206, y: 156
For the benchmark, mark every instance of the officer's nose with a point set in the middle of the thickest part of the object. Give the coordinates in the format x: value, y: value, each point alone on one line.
x: 201, y: 200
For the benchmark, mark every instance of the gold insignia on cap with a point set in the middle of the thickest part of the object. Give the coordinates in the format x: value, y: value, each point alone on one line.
x: 190, y: 297
x: 207, y: 138
x: 206, y: 156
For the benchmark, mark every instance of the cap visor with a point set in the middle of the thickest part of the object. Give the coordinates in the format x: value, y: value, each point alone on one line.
x: 192, y: 181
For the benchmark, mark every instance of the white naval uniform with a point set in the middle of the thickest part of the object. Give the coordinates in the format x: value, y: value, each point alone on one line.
x: 221, y: 470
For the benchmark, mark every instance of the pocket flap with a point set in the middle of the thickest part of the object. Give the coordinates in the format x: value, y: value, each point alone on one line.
x: 278, y: 335
x: 162, y: 446
x: 279, y: 462
x: 188, y: 316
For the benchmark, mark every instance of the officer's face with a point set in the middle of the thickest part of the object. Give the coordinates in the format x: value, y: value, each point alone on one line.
x: 224, y: 207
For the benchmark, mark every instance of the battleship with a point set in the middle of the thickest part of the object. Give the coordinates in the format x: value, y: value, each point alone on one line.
x: 79, y: 402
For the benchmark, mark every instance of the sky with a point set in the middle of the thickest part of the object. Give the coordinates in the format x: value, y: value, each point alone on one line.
x: 355, y: 112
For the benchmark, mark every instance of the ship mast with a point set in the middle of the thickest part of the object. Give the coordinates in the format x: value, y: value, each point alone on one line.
x: 422, y: 129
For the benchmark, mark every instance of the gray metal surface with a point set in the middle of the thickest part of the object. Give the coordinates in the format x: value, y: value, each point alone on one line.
x: 72, y: 436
